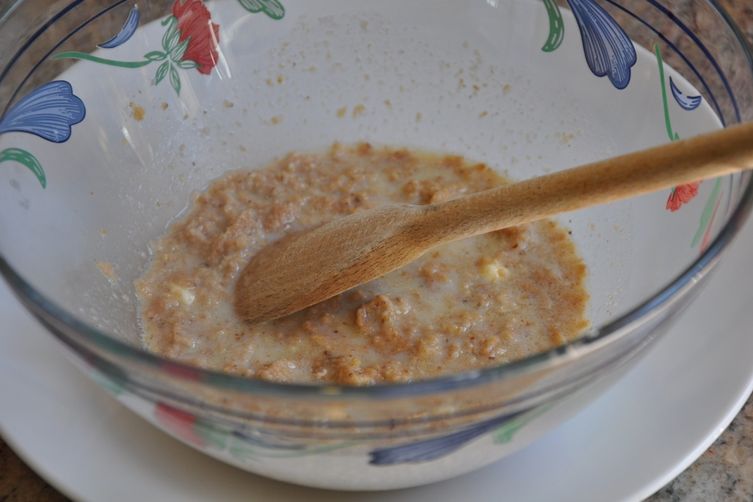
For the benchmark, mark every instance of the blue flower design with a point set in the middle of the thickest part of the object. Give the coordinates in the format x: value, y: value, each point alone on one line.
x: 432, y: 449
x: 608, y: 50
x: 686, y: 102
x: 126, y: 32
x: 48, y: 111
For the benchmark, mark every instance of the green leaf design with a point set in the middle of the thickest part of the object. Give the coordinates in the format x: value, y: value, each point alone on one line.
x: 177, y: 53
x: 27, y: 159
x: 187, y: 64
x: 708, y: 212
x: 556, y: 27
x: 312, y: 451
x: 211, y: 435
x: 161, y: 72
x: 243, y: 452
x: 155, y: 56
x: 88, y: 57
x: 175, y: 79
x: 171, y: 36
x: 239, y: 449
x: 109, y: 382
x: 172, y: 42
x: 673, y: 136
x: 272, y: 8
x: 507, y: 431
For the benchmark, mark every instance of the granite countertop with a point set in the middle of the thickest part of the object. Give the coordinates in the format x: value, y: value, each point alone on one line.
x: 724, y: 472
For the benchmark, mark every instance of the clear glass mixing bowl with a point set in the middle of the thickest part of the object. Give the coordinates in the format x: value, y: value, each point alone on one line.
x: 113, y: 113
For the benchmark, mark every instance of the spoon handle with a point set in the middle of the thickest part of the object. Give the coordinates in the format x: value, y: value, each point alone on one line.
x: 710, y: 155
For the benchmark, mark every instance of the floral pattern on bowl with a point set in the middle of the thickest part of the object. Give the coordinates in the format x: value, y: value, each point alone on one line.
x: 244, y: 444
x: 607, y: 48
x: 503, y: 428
x: 49, y: 112
x: 191, y: 40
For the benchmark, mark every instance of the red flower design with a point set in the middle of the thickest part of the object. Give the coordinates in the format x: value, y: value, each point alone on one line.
x: 682, y: 194
x: 195, y: 21
x: 179, y: 422
x: 182, y: 372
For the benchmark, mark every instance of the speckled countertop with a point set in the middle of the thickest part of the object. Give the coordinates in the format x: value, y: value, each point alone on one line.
x: 723, y: 473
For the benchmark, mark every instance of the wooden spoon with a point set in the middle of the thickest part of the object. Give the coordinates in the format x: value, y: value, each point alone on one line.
x: 309, y: 267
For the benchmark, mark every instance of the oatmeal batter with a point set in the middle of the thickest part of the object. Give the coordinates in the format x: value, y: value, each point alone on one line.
x: 466, y: 305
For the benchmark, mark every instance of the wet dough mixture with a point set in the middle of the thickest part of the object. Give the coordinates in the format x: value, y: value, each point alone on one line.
x: 466, y: 305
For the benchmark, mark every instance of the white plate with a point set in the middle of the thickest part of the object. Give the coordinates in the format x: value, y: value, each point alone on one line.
x: 644, y: 432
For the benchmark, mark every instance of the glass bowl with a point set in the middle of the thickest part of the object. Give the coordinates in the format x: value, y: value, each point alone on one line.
x: 114, y: 112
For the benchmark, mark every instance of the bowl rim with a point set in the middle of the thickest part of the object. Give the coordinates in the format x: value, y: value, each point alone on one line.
x: 44, y: 309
